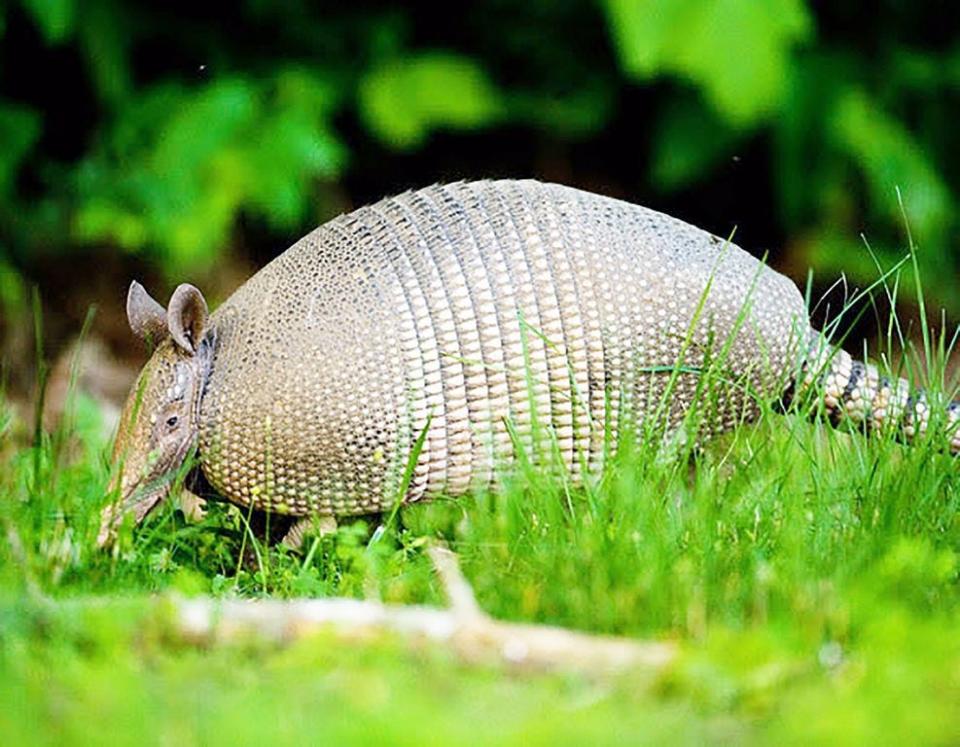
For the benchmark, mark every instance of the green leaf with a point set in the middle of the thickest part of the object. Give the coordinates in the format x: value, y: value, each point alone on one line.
x: 285, y: 165
x: 54, y: 17
x: 401, y: 101
x: 301, y: 148
x: 736, y: 52
x: 889, y: 158
x: 19, y: 130
x: 99, y: 219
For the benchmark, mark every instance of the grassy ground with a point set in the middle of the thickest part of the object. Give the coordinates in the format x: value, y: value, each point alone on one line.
x: 809, y: 576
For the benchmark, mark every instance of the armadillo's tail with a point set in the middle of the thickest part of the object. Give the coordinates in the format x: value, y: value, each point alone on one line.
x: 855, y: 392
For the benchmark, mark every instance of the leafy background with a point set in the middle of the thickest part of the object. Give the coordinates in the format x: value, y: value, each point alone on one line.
x: 180, y: 140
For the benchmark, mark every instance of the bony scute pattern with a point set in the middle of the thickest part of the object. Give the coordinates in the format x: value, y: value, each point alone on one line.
x: 476, y: 313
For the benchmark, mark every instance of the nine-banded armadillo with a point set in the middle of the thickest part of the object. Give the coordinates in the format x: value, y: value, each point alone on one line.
x: 456, y: 324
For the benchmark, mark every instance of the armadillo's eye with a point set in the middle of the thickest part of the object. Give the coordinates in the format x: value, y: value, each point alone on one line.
x: 172, y: 421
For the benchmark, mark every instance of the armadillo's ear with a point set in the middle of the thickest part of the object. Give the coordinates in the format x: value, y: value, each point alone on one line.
x: 146, y: 317
x: 187, y: 317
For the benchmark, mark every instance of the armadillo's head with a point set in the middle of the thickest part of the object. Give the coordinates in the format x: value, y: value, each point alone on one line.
x: 160, y: 421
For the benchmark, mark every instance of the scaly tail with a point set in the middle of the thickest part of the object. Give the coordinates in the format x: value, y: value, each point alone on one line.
x: 856, y: 392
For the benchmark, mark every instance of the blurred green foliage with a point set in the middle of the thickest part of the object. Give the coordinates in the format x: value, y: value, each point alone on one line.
x: 738, y: 54
x: 399, y: 101
x: 174, y: 130
x: 180, y: 164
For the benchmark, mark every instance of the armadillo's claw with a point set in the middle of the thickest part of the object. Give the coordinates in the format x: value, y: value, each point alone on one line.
x: 322, y: 525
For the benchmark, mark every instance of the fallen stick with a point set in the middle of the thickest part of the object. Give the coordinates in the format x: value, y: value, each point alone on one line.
x: 464, y: 628
x: 211, y: 621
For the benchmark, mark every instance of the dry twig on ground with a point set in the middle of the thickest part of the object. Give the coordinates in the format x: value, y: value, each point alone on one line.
x: 464, y: 627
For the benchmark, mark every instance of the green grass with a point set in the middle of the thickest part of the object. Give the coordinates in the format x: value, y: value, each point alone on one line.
x: 808, y: 575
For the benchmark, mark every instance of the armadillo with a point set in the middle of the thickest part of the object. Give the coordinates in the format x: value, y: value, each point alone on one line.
x: 414, y: 347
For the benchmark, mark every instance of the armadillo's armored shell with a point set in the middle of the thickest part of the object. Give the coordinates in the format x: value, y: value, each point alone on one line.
x: 462, y: 309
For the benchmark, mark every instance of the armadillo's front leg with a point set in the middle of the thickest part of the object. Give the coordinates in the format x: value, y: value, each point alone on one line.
x: 322, y: 525
x: 193, y: 506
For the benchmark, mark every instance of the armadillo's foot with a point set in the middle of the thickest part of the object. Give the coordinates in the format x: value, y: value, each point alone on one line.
x: 193, y: 506
x: 322, y: 525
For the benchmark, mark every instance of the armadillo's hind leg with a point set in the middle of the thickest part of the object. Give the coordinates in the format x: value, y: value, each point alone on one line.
x: 321, y: 525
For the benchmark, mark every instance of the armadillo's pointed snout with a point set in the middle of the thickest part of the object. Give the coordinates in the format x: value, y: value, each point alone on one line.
x: 136, y: 499
x: 113, y: 514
